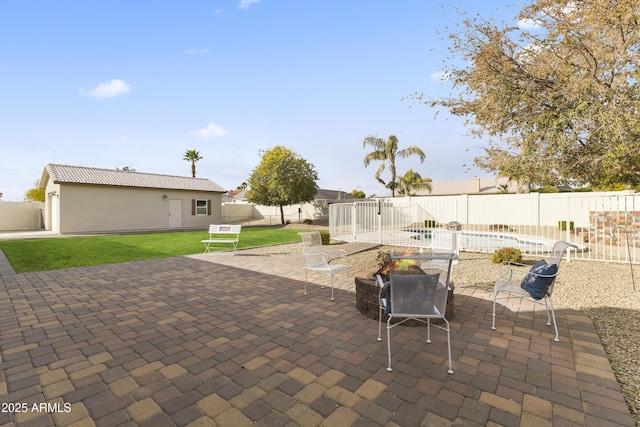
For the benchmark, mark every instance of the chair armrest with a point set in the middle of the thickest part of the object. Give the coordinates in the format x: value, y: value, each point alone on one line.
x: 507, y: 274
x: 382, y: 285
x: 517, y: 264
x: 335, y: 254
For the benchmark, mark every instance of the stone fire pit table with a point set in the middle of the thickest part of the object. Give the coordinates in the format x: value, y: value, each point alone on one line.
x: 367, y: 290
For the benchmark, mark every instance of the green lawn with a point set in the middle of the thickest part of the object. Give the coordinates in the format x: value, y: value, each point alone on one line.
x: 56, y: 253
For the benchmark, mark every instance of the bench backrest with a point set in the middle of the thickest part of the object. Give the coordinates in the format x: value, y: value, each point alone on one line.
x: 224, y: 229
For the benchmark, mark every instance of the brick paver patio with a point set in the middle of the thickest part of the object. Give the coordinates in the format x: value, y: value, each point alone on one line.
x: 232, y: 341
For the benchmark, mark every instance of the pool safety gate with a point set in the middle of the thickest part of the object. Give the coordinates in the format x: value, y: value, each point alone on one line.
x: 595, y: 227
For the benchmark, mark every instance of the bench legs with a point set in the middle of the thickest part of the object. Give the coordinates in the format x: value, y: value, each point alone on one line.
x: 208, y: 244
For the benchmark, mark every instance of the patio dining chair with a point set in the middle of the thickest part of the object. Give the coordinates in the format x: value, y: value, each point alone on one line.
x: 535, y: 285
x: 312, y: 243
x: 319, y: 262
x: 443, y: 241
x: 421, y: 297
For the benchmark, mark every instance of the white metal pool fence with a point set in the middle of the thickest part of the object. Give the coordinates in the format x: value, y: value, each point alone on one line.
x: 605, y: 226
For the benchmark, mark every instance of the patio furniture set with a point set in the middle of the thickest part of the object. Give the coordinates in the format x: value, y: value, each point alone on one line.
x: 415, y: 286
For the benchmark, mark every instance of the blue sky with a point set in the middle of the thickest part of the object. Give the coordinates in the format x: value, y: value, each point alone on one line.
x: 137, y: 83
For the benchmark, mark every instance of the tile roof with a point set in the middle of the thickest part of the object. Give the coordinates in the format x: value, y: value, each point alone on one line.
x: 469, y: 186
x: 95, y: 176
x: 333, y: 195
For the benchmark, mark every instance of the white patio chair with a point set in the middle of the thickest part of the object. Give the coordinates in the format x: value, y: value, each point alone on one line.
x: 443, y: 241
x: 319, y: 262
x: 312, y: 242
x: 535, y: 284
x: 421, y: 297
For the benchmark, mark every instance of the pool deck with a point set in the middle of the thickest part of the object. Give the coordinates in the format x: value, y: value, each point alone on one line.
x: 230, y: 340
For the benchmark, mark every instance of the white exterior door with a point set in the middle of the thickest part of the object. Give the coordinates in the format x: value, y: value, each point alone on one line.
x: 175, y: 213
x: 54, y: 206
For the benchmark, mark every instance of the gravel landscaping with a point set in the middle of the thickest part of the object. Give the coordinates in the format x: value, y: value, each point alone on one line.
x: 603, y: 291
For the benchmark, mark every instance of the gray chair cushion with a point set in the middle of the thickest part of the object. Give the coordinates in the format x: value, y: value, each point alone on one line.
x: 536, y: 285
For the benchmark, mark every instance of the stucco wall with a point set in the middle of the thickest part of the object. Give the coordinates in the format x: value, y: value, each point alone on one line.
x: 240, y: 211
x: 20, y: 216
x: 87, y: 208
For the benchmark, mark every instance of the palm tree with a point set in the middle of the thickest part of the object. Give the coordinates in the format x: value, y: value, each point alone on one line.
x: 413, y: 181
x: 386, y: 152
x: 192, y: 156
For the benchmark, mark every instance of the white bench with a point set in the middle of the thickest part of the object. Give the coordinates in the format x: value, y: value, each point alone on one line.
x: 223, y: 234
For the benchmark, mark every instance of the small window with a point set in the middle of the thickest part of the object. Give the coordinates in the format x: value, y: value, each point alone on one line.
x: 201, y: 207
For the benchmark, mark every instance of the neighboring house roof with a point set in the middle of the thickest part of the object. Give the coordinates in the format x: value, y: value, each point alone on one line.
x: 333, y: 195
x: 63, y: 174
x: 469, y: 186
x: 235, y: 196
x: 241, y: 195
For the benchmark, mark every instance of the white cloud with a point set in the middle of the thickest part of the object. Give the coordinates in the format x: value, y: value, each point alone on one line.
x: 246, y: 4
x: 439, y: 76
x: 211, y: 131
x: 195, y: 51
x: 528, y: 53
x: 528, y: 23
x: 109, y: 89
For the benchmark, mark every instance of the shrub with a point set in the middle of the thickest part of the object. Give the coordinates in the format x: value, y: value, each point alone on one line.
x: 325, y: 236
x: 307, y: 221
x: 507, y: 254
x: 383, y: 258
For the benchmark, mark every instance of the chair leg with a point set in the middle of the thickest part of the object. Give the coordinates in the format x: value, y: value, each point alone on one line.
x: 450, y: 371
x: 428, y: 331
x: 553, y: 315
x: 389, y: 342
x: 379, y: 323
x: 332, y: 287
x: 546, y: 307
x: 306, y: 273
x: 493, y: 321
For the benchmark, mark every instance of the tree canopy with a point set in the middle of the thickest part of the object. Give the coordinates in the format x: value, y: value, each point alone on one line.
x: 192, y: 156
x: 358, y: 193
x: 558, y: 95
x: 413, y: 181
x: 386, y: 152
x: 35, y: 194
x: 282, y: 178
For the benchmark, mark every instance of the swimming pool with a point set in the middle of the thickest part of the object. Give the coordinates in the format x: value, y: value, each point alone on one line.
x: 471, y: 240
x: 481, y: 241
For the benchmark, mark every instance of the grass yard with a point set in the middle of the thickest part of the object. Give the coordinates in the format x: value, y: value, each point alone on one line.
x: 57, y: 253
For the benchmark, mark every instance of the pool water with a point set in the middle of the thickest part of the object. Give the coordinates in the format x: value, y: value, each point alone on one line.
x: 477, y: 240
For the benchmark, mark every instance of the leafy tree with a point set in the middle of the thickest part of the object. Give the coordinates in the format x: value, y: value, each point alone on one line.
x: 386, y: 152
x: 562, y: 92
x: 358, y: 193
x: 281, y: 179
x: 126, y: 169
x: 192, y: 156
x: 35, y: 194
x: 392, y: 185
x: 413, y: 181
